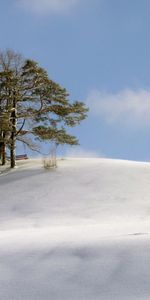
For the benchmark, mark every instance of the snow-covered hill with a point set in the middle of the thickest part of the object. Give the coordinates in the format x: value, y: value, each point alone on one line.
x: 79, y: 232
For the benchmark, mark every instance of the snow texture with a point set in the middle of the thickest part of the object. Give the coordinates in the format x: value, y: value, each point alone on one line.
x: 78, y: 232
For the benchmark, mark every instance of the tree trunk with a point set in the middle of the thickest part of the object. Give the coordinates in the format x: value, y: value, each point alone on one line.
x: 13, y: 151
x: 3, y: 149
x: 3, y: 154
x: 13, y: 136
x: 1, y: 144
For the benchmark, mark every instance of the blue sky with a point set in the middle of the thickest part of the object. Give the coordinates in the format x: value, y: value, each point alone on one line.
x: 99, y: 50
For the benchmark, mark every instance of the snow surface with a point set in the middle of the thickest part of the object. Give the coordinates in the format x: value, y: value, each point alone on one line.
x: 78, y: 232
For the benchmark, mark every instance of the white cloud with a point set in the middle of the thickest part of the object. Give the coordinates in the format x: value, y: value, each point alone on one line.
x: 128, y: 107
x: 42, y: 7
x: 78, y: 152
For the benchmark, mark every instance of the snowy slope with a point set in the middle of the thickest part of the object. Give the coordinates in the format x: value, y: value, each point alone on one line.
x: 79, y: 232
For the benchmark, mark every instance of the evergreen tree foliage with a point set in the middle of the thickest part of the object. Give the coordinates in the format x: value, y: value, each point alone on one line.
x: 33, y: 107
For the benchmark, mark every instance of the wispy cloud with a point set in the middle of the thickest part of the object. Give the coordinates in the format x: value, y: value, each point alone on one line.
x: 78, y: 152
x: 44, y: 7
x: 127, y: 107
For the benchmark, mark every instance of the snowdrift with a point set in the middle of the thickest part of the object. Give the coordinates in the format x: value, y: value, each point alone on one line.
x: 77, y: 232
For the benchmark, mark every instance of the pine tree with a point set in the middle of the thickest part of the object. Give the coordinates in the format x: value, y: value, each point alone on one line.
x: 10, y: 92
x: 53, y: 112
x: 33, y: 107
